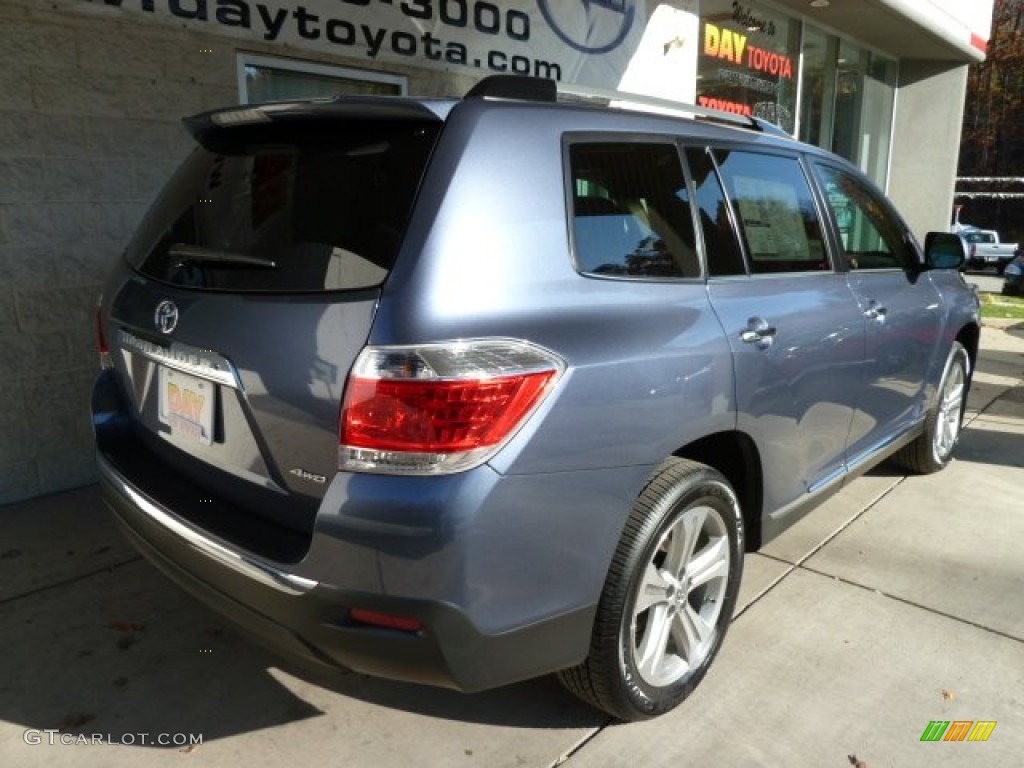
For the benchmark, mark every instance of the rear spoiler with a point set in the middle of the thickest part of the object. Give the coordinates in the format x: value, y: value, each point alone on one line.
x: 250, y: 122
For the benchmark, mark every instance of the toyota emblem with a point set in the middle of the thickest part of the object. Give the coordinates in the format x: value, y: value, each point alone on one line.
x: 166, y: 316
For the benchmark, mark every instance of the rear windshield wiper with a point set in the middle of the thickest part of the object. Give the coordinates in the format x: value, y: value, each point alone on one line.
x: 196, y: 254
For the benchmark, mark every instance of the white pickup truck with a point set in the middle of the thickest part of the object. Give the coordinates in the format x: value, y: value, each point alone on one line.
x: 985, y: 250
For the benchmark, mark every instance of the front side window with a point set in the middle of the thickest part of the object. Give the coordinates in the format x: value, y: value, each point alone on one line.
x: 631, y: 211
x: 870, y: 236
x: 775, y: 210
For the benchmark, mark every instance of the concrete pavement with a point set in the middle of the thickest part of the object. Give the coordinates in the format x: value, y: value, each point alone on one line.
x: 899, y: 602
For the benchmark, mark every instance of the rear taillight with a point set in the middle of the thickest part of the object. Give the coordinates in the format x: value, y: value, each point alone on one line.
x: 438, y: 408
x: 101, y: 340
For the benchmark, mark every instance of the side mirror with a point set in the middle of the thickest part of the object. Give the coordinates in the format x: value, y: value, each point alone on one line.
x: 943, y: 250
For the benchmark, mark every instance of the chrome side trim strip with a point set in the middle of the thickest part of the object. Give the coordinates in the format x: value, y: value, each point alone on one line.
x: 885, y: 445
x: 265, y: 574
x: 819, y: 490
x: 833, y: 477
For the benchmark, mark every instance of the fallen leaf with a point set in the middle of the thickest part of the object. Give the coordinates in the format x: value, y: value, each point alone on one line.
x: 855, y: 762
x: 948, y: 695
x: 76, y: 719
x: 127, y: 626
x: 189, y: 749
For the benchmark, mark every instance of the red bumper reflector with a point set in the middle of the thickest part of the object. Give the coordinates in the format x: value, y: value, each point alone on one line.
x: 386, y: 620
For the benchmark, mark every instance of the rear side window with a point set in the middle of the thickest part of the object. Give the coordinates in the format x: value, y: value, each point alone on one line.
x: 775, y: 209
x: 631, y: 212
x: 304, y: 208
x: 721, y: 248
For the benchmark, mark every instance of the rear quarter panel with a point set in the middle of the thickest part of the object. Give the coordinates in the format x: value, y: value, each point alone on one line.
x: 488, y: 254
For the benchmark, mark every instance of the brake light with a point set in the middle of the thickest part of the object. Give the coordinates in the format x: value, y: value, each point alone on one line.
x: 440, y: 408
x: 101, y: 341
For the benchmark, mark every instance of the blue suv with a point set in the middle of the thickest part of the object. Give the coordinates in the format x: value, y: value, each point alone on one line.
x: 464, y: 392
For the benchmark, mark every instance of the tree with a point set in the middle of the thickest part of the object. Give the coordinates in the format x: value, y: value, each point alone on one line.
x: 991, y: 165
x: 992, y: 143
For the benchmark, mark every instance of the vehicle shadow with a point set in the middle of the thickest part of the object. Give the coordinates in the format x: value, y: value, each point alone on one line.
x: 1000, y: 362
x: 125, y: 652
x: 1016, y: 330
x: 997, y: 435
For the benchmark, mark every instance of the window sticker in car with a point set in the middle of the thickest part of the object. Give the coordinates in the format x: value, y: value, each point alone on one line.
x: 771, y: 215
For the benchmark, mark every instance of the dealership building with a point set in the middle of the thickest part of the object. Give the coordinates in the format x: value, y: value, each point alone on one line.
x: 93, y: 92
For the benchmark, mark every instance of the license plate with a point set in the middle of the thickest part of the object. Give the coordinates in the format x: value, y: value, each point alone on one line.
x: 186, y: 405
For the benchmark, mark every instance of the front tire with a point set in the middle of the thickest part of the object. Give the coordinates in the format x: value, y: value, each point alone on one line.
x: 933, y: 450
x: 669, y: 595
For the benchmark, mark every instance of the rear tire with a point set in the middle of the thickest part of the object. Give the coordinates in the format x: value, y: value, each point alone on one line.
x: 932, y: 451
x: 668, y: 597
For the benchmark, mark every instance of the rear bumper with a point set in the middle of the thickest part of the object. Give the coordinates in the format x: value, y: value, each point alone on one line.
x: 308, y: 621
x: 980, y: 262
x: 503, y: 572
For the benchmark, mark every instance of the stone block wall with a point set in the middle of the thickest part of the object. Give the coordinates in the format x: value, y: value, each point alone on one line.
x: 89, y: 131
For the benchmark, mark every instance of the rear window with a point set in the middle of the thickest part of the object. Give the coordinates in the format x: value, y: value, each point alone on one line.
x: 298, y: 208
x: 979, y: 237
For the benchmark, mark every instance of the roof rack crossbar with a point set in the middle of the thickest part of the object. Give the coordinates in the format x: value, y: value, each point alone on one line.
x: 515, y: 87
x: 524, y: 88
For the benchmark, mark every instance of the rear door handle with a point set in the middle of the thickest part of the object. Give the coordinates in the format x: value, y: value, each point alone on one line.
x: 758, y: 332
x: 751, y: 337
x: 876, y: 311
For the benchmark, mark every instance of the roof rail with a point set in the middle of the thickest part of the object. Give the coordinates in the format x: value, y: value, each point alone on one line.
x: 524, y: 88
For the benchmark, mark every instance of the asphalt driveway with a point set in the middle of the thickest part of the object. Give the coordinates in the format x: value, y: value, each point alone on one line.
x: 898, y: 603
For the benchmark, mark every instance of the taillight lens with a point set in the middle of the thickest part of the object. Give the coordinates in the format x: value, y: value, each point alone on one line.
x: 439, y: 408
x: 101, y: 341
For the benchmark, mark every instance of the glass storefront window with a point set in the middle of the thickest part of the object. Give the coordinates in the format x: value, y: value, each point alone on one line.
x: 268, y: 78
x: 846, y: 101
x: 818, y: 90
x: 865, y: 89
x: 877, y: 116
x: 749, y: 61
